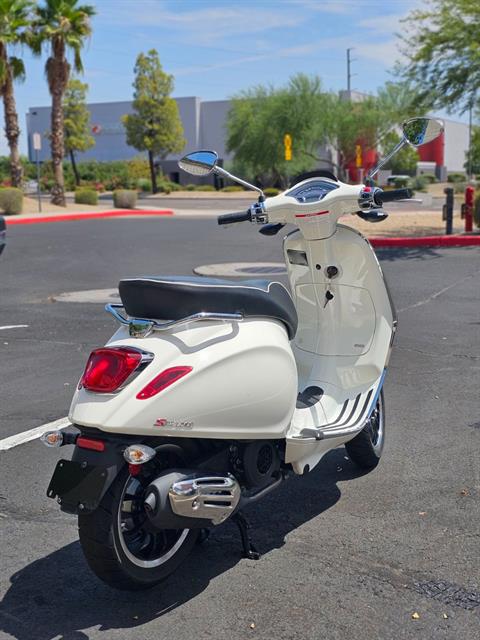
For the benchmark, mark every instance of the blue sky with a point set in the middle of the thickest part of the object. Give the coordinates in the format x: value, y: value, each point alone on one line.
x: 217, y: 48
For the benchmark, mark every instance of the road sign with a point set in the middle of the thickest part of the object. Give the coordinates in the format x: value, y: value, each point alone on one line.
x: 37, y: 142
x: 287, y: 142
x: 358, y: 155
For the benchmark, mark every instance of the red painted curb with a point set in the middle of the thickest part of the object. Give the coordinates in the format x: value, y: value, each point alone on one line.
x: 64, y: 217
x: 427, y: 241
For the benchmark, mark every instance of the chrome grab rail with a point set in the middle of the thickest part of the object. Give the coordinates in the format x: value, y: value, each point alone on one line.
x: 142, y: 327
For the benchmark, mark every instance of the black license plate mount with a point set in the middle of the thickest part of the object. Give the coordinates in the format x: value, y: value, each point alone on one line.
x: 77, y: 486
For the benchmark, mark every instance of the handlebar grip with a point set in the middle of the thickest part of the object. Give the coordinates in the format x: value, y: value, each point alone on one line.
x: 390, y: 196
x: 228, y: 218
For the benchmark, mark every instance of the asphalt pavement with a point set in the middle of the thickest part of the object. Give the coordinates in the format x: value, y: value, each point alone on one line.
x: 345, y: 554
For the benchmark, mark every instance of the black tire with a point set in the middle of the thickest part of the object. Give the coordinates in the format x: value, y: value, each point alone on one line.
x: 105, y: 546
x: 366, y: 448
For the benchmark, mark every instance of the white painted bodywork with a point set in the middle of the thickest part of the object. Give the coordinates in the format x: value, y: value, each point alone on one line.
x: 246, y: 375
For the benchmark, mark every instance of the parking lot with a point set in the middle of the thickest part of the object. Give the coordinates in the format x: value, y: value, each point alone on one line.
x: 345, y: 554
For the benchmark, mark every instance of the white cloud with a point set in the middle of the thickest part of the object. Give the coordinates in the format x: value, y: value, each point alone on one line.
x: 208, y: 25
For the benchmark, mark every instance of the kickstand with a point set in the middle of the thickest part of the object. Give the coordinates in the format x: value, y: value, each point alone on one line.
x: 249, y: 550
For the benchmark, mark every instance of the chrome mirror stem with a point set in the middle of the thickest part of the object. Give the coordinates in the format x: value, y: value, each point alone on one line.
x: 383, y: 161
x: 222, y: 172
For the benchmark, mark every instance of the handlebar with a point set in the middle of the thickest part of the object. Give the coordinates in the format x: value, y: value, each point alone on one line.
x: 389, y: 196
x: 228, y: 218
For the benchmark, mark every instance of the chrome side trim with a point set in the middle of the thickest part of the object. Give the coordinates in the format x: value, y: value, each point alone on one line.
x: 212, y: 498
x: 143, y: 327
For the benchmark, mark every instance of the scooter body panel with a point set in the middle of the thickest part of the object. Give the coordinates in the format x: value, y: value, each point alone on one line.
x: 342, y: 345
x: 243, y: 384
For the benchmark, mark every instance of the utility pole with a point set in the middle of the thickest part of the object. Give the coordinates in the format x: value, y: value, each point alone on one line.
x: 349, y: 74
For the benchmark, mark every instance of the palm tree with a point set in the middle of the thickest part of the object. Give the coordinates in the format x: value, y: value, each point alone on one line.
x: 63, y: 25
x: 14, y: 20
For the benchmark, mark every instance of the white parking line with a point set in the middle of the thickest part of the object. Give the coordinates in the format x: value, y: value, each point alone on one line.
x: 32, y: 434
x: 14, y: 326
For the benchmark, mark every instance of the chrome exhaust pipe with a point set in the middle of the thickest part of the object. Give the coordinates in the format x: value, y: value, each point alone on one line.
x: 186, y: 499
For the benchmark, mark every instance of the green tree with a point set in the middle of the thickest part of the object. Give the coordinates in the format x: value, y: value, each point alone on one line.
x: 63, y: 26
x: 155, y: 125
x: 475, y: 152
x: 14, y: 20
x: 442, y: 47
x: 405, y: 161
x: 259, y: 119
x: 76, y: 122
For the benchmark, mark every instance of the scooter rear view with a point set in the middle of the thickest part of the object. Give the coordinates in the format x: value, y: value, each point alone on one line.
x: 212, y: 392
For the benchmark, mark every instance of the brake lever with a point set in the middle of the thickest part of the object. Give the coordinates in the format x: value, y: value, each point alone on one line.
x: 270, y: 229
x: 373, y: 215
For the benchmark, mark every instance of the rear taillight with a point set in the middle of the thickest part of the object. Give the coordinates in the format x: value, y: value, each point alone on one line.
x: 162, y: 381
x: 108, y: 368
x: 90, y: 443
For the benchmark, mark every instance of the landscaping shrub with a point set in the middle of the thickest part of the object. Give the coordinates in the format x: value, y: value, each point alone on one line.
x: 418, y: 184
x: 124, y: 199
x: 83, y: 195
x: 233, y: 188
x: 11, y: 200
x: 189, y: 187
x: 138, y: 168
x: 144, y: 184
x: 429, y: 177
x: 271, y: 191
x: 456, y: 177
x: 204, y: 187
x: 476, y: 209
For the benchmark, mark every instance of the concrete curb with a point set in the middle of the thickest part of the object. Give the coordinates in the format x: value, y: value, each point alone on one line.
x: 427, y: 241
x: 65, y: 217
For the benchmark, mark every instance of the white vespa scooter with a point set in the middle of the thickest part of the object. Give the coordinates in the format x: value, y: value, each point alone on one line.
x: 212, y: 392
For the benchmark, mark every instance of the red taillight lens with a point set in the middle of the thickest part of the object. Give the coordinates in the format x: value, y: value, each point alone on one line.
x: 88, y: 443
x: 108, y: 368
x: 162, y: 381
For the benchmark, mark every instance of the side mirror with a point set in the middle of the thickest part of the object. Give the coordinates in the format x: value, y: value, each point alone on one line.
x: 199, y: 163
x: 418, y: 131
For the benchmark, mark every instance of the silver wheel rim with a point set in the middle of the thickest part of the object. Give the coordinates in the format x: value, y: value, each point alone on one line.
x: 136, y: 543
x: 376, y: 427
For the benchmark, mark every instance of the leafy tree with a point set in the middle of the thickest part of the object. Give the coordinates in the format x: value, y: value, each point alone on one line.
x: 63, y: 26
x: 259, y: 119
x: 14, y: 20
x: 155, y: 124
x: 76, y: 122
x: 475, y: 152
x: 261, y: 116
x: 443, y: 52
x: 405, y: 160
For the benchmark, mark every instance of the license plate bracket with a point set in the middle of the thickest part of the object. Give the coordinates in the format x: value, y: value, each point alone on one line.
x: 77, y: 483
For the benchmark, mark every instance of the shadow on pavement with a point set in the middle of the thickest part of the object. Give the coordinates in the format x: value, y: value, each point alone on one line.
x: 57, y: 596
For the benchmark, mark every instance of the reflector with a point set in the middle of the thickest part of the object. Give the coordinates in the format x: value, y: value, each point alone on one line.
x: 108, y: 368
x: 162, y: 381
x: 89, y: 443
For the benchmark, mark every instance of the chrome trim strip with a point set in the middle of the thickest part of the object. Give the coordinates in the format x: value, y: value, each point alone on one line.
x: 142, y: 327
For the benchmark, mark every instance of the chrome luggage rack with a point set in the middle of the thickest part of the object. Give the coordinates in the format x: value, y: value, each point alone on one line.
x: 143, y: 327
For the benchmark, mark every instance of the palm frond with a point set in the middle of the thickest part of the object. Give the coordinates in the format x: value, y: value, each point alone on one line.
x: 18, y: 68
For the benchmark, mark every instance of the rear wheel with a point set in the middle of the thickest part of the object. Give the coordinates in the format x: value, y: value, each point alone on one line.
x: 366, y: 448
x: 120, y: 545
